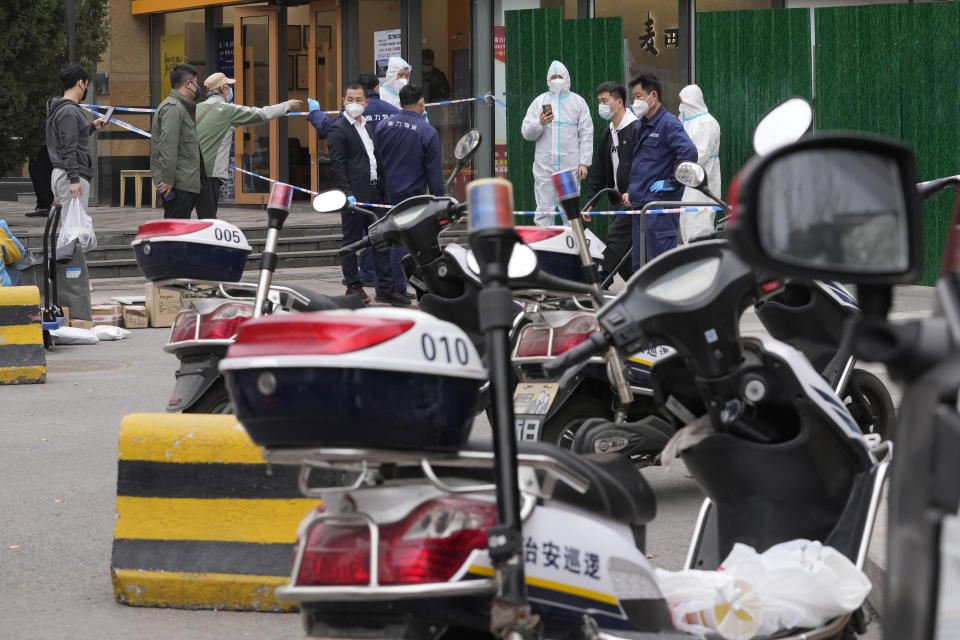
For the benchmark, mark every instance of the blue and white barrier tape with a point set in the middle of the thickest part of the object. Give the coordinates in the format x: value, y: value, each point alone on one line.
x: 119, y: 123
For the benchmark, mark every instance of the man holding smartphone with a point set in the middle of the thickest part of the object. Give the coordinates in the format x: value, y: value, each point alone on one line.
x: 559, y: 122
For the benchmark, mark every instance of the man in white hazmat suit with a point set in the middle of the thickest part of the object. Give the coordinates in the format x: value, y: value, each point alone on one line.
x: 704, y: 131
x: 564, y: 137
x: 398, y: 76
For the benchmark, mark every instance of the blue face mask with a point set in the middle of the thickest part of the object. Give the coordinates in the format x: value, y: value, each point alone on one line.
x: 604, y: 111
x: 229, y: 97
x: 197, y: 93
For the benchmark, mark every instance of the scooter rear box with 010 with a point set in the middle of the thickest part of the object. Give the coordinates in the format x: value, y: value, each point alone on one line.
x: 193, y: 249
x: 557, y: 251
x: 373, y: 378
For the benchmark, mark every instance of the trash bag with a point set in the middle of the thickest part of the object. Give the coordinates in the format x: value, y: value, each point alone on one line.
x: 107, y: 332
x: 74, y: 335
x: 76, y: 231
x: 794, y: 585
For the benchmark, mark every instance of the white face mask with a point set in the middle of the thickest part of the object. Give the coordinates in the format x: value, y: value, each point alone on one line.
x: 641, y: 107
x: 354, y: 109
x: 604, y: 111
x: 556, y: 86
x: 401, y: 83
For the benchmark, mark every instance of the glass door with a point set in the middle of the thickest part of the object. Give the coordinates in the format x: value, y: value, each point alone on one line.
x: 323, y: 45
x: 255, y: 65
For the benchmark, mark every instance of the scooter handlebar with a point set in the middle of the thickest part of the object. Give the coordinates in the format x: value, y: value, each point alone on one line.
x: 594, y: 345
x: 353, y: 247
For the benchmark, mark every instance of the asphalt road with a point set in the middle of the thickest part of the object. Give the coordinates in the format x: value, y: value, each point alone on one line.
x: 58, y: 444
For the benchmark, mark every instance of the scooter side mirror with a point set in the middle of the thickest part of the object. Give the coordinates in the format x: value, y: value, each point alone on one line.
x: 466, y: 148
x: 785, y: 123
x: 330, y: 201
x: 690, y: 174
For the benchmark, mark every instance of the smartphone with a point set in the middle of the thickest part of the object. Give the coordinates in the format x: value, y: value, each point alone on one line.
x: 547, y: 108
x: 108, y: 115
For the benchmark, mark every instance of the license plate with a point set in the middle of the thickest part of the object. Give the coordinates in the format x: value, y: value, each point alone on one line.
x: 531, y: 402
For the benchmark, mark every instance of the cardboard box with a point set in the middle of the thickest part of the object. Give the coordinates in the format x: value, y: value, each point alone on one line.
x: 107, y: 314
x: 162, y: 305
x: 66, y: 314
x: 135, y: 316
x: 81, y: 324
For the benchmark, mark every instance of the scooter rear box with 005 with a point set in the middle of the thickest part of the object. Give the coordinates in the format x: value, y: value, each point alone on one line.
x: 194, y: 249
x: 372, y: 378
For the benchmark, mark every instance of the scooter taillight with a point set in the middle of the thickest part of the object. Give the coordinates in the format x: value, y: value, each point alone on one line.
x: 529, y: 235
x: 429, y: 545
x: 184, y: 326
x: 534, y: 341
x: 222, y: 324
x: 574, y: 332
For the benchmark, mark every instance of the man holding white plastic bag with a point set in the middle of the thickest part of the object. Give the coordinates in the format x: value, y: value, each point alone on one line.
x: 68, y: 139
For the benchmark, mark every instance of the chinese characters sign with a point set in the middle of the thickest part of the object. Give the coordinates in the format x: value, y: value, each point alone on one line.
x: 549, y: 555
x: 648, y: 39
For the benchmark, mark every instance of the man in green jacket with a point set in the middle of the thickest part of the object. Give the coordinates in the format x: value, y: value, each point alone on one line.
x: 174, y: 147
x: 217, y: 117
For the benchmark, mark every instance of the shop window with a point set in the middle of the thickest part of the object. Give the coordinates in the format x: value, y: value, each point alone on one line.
x: 654, y: 39
x: 735, y: 5
x: 446, y: 74
x: 178, y: 37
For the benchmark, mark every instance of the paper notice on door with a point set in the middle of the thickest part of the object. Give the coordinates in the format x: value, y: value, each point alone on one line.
x: 385, y: 44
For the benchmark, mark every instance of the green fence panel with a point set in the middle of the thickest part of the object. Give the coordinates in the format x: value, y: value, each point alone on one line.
x: 747, y: 62
x: 592, y: 51
x: 892, y: 70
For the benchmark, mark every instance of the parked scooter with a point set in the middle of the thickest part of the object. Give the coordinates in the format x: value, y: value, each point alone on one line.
x: 204, y: 261
x: 866, y: 230
x: 559, y: 550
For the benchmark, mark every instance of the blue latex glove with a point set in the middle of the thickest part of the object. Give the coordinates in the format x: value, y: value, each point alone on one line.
x: 313, y: 105
x: 351, y: 200
x: 660, y: 186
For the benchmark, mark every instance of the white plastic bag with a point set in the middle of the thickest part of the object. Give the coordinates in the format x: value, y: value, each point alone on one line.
x: 796, y: 584
x: 108, y: 332
x: 77, y: 227
x: 74, y: 335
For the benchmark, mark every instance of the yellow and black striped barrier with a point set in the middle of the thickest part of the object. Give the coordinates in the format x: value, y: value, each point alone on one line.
x: 22, y: 356
x: 201, y: 524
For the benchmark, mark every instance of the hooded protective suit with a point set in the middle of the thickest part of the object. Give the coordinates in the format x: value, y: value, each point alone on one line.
x: 564, y: 144
x: 390, y: 87
x: 704, y: 131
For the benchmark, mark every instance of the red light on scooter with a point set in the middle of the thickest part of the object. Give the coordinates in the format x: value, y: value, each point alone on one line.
x: 772, y: 285
x: 280, y: 196
x: 319, y: 333
x: 533, y: 342
x: 574, y: 332
x: 184, y: 326
x: 167, y: 228
x: 529, y: 235
x: 223, y: 323
x: 429, y: 545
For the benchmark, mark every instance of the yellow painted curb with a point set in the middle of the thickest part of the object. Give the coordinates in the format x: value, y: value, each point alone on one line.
x: 21, y: 334
x: 185, y: 437
x: 10, y: 296
x: 22, y: 374
x: 250, y: 520
x: 199, y: 590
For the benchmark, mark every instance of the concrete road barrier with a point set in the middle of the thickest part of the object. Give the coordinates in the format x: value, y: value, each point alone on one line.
x: 201, y: 524
x: 22, y: 356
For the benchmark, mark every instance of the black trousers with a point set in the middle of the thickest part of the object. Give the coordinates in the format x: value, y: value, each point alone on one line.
x: 40, y: 170
x: 181, y: 205
x: 619, y: 244
x: 354, y: 224
x: 209, y: 198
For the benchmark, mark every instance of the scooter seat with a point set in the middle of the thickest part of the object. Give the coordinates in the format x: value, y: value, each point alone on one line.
x: 617, y: 489
x: 323, y: 302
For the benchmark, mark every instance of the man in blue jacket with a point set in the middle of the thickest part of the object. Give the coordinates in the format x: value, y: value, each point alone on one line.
x: 409, y: 152
x: 659, y: 146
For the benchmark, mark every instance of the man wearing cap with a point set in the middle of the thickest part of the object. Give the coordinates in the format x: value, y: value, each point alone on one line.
x: 217, y: 117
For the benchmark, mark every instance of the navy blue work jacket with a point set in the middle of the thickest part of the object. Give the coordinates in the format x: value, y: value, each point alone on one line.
x: 408, y: 149
x: 660, y: 145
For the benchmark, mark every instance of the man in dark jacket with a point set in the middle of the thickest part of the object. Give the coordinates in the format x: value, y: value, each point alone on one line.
x: 356, y: 173
x: 409, y: 152
x: 68, y: 139
x: 611, y: 169
x: 175, y: 159
x: 660, y: 145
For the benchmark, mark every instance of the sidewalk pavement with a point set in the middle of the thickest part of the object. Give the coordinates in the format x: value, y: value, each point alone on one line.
x: 129, y: 218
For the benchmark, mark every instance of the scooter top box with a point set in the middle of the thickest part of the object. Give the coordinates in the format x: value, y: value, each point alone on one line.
x: 195, y: 249
x: 372, y: 378
x: 557, y: 251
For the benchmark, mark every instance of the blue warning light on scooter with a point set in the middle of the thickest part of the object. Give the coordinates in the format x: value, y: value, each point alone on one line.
x: 566, y: 185
x: 491, y: 203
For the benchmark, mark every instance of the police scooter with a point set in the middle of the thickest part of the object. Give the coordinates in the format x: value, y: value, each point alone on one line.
x: 556, y: 541
x: 870, y: 235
